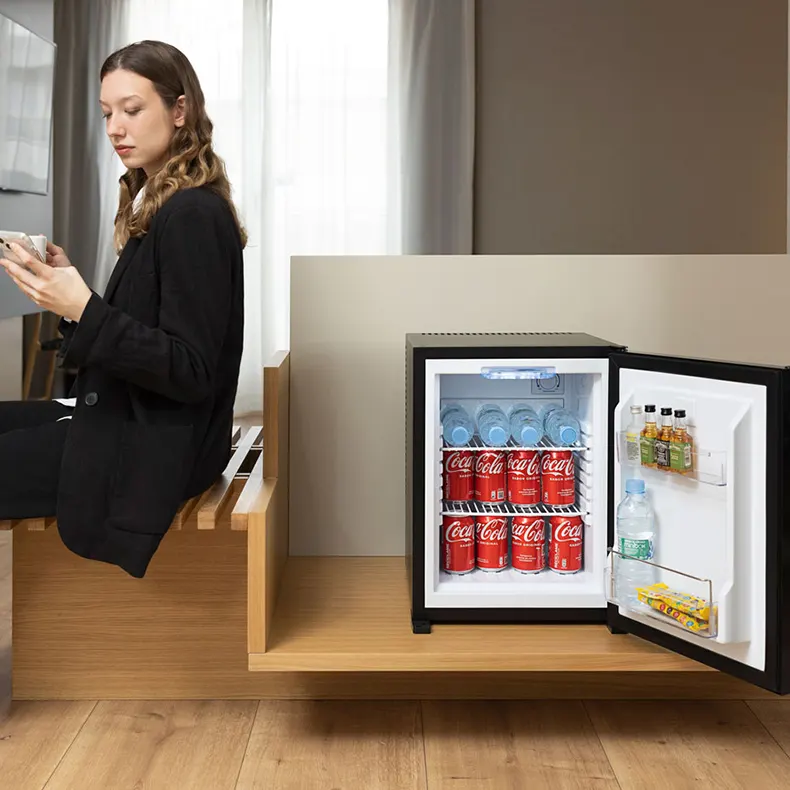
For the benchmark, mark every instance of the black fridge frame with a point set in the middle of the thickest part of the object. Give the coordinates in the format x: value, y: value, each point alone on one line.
x: 775, y: 676
x: 423, y: 617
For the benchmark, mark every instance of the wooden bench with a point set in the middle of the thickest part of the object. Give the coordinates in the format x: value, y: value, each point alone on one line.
x: 226, y: 505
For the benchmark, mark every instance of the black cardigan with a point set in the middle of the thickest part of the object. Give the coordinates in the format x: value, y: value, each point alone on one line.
x: 158, y: 360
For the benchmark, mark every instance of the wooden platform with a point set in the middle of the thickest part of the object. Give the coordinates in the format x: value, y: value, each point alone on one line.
x: 351, y: 614
x: 226, y: 505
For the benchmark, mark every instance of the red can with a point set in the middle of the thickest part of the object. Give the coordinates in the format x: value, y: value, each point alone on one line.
x: 558, y: 473
x: 491, y: 543
x: 565, y: 544
x: 459, y: 475
x: 458, y: 544
x: 523, y: 477
x: 528, y: 545
x: 490, y: 476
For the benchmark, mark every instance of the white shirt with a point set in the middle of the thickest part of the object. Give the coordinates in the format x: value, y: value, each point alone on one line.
x: 72, y: 402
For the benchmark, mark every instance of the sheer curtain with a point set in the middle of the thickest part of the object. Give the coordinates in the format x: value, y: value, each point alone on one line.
x: 298, y: 93
x: 329, y: 112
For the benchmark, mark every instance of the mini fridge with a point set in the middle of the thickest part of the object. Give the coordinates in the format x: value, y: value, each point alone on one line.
x: 718, y: 573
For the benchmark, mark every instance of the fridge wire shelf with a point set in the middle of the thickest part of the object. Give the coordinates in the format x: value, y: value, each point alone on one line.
x: 661, y: 611
x: 473, y: 508
x: 476, y: 444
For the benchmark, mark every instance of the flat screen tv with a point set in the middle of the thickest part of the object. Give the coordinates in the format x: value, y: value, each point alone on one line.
x: 27, y: 74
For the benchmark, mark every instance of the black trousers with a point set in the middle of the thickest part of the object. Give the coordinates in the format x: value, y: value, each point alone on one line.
x: 31, y: 448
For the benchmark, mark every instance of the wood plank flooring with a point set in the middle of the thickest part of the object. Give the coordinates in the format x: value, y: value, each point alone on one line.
x: 395, y: 745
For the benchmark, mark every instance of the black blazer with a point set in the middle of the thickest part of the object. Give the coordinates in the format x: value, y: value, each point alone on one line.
x: 158, y: 360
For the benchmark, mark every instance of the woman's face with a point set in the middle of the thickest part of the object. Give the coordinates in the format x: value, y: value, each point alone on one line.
x: 138, y: 123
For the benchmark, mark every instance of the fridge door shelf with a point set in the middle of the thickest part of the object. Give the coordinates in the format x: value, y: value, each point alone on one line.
x: 544, y: 445
x: 472, y: 508
x: 696, y: 596
x: 707, y: 466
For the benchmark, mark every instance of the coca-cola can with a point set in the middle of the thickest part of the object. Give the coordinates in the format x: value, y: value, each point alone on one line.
x: 558, y: 477
x: 459, y: 475
x: 490, y: 476
x: 528, y: 544
x: 523, y: 477
x: 565, y: 544
x: 491, y: 542
x: 458, y: 544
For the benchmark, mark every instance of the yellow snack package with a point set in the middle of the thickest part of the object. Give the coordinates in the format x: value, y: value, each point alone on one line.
x: 689, y: 604
x: 688, y: 622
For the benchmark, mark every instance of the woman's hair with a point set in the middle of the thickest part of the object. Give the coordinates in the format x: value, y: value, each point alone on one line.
x: 193, y: 161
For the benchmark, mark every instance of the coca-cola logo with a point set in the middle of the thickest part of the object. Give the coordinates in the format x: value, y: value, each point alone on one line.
x: 460, y: 462
x: 458, y: 530
x: 526, y: 464
x: 490, y: 463
x: 566, y: 531
x: 530, y: 532
x: 492, y: 529
x: 557, y: 467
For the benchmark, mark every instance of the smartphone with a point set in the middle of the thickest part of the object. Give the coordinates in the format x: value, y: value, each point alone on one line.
x: 23, y: 240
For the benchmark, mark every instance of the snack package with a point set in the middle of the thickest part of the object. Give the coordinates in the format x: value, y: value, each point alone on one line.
x: 688, y: 604
x: 688, y: 622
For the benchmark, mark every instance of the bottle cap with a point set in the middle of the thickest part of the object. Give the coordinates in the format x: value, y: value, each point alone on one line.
x: 680, y: 412
x: 634, y: 486
x: 666, y: 410
x: 650, y: 407
x: 460, y: 435
x: 636, y: 410
x: 497, y: 436
x: 529, y: 436
x: 568, y: 434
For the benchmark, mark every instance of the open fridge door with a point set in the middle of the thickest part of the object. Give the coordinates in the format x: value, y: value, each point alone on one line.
x: 706, y: 580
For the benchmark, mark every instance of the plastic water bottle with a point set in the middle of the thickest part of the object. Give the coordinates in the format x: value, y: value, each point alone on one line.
x: 492, y: 425
x: 457, y: 425
x: 636, y: 537
x: 526, y: 427
x: 560, y: 426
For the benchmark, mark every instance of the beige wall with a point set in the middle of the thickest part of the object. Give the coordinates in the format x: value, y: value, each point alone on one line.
x: 11, y: 358
x: 349, y: 318
x: 631, y: 126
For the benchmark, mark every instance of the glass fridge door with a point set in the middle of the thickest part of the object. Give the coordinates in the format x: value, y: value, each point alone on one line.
x: 694, y: 553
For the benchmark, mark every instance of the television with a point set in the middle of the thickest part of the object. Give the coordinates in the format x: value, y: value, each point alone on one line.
x: 27, y: 75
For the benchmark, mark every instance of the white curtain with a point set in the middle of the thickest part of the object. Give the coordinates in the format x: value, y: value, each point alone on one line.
x: 227, y: 46
x: 432, y: 126
x: 297, y: 91
x: 329, y: 137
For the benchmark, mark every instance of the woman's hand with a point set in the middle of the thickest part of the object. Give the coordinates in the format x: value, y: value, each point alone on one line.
x: 56, y: 256
x: 57, y: 287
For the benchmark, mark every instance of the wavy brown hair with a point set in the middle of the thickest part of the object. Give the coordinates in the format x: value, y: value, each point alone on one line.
x: 192, y: 160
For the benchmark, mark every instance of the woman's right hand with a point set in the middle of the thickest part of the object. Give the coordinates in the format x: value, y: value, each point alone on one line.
x: 56, y: 256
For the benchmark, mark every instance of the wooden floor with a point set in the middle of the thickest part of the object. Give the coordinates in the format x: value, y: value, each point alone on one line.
x: 395, y: 745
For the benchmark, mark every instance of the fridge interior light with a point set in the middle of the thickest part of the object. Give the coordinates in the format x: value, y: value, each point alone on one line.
x: 518, y: 372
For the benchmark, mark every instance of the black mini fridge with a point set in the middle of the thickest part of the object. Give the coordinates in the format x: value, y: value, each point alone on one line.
x: 718, y: 569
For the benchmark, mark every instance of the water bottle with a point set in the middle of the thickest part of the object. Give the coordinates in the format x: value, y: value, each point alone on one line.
x: 560, y: 426
x: 635, y: 538
x: 526, y: 427
x: 492, y: 425
x: 457, y: 426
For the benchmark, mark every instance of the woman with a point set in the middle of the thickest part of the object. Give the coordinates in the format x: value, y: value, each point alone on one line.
x: 158, y: 355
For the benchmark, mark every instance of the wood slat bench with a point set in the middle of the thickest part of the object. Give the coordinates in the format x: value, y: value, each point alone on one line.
x: 226, y: 505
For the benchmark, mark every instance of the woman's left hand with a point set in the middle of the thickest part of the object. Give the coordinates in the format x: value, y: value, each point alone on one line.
x: 59, y: 289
